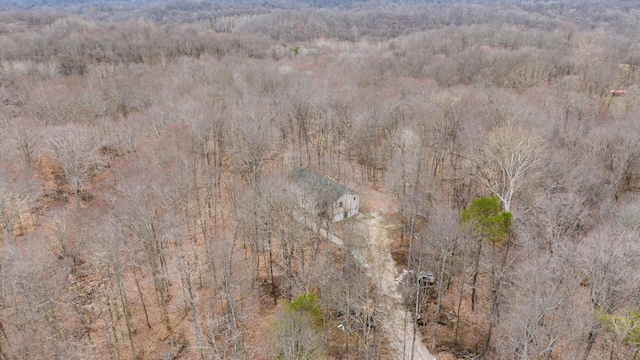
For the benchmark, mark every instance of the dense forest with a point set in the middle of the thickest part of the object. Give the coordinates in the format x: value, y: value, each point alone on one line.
x: 147, y: 208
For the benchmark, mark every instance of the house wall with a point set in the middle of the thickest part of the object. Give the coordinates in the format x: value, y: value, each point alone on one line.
x: 346, y: 206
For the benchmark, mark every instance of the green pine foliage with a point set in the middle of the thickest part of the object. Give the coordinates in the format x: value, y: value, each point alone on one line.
x: 307, y: 303
x: 489, y: 221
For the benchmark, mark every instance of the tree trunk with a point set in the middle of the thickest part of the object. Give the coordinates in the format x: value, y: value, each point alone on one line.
x: 122, y: 292
x: 273, y: 284
x: 144, y: 307
x: 77, y: 198
x: 455, y: 337
x: 591, y: 339
x: 476, y: 268
x: 438, y: 303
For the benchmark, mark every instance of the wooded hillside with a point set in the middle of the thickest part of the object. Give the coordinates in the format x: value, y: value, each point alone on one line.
x: 147, y: 209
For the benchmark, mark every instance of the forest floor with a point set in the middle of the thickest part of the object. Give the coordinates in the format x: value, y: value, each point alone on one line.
x: 404, y: 337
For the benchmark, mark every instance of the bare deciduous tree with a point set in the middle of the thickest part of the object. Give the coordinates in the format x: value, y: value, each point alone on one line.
x: 560, y: 217
x: 113, y: 258
x: 15, y: 206
x: 508, y: 159
x: 613, y: 152
x: 143, y: 213
x: 255, y: 141
x: 609, y: 257
x: 444, y: 234
x: 544, y: 307
x: 75, y: 150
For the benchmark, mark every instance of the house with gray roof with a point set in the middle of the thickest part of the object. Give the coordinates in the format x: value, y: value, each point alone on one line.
x: 324, y: 196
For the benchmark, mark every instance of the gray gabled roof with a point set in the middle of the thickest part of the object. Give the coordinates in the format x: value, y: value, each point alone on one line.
x: 323, y: 186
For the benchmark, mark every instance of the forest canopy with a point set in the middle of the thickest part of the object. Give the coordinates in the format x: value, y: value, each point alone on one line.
x: 147, y: 208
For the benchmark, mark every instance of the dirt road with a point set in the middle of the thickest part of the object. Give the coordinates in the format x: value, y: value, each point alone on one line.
x: 376, y: 258
x: 398, y: 323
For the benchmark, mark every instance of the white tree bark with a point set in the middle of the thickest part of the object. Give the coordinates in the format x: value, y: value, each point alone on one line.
x: 507, y: 160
